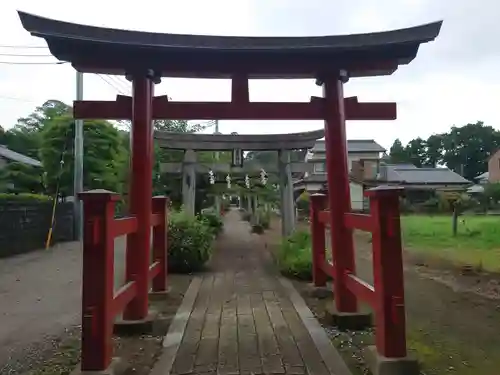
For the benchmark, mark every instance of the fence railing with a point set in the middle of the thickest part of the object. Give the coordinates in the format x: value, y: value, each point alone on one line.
x: 100, y: 303
x: 386, y: 296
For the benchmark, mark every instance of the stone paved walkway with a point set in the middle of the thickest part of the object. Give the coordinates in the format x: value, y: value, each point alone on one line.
x: 242, y: 321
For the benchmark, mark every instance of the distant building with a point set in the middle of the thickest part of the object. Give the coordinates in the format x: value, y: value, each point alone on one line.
x: 493, y: 168
x: 367, y: 169
x: 8, y: 156
x: 483, y: 178
x: 491, y: 176
x: 368, y: 151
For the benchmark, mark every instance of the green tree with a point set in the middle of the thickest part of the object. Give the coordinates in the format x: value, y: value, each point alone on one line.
x: 467, y: 148
x: 397, y: 153
x: 493, y: 191
x: 48, y: 111
x: 435, y: 148
x: 103, y: 155
x: 24, y: 137
x: 3, y: 136
x: 23, y: 142
x: 416, y: 152
x: 22, y: 177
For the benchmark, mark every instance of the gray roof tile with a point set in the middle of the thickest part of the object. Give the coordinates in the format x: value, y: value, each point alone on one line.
x: 353, y: 145
x: 17, y: 157
x: 413, y: 175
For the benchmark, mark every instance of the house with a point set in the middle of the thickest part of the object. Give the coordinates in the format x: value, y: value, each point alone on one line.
x: 412, y: 177
x: 491, y: 176
x: 367, y: 169
x: 358, y: 150
x: 494, y: 167
x: 8, y: 156
x: 483, y: 178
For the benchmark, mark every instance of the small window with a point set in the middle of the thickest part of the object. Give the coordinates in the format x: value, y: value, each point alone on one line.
x: 319, y: 167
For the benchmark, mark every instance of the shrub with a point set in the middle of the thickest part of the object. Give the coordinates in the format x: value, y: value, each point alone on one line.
x: 295, y: 256
x: 265, y: 219
x: 257, y: 228
x: 24, y: 197
x: 211, y: 219
x: 189, y: 242
x: 303, y: 204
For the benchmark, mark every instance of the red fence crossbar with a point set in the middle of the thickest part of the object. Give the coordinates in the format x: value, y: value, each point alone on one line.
x: 386, y: 296
x: 100, y: 303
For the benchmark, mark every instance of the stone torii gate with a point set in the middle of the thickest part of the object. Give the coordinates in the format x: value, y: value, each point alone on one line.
x: 282, y: 143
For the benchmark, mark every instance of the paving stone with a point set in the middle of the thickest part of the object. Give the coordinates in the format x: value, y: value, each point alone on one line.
x: 242, y: 321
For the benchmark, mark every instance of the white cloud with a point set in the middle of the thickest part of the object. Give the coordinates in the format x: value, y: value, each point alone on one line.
x: 452, y: 81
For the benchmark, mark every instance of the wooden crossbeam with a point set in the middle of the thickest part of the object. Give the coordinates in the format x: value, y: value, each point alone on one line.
x: 176, y: 167
x: 163, y: 109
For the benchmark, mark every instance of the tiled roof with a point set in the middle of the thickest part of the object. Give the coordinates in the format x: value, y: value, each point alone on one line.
x: 412, y: 175
x: 17, y: 157
x: 353, y: 145
x: 483, y: 176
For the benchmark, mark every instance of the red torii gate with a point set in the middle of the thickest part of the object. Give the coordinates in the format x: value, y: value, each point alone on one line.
x: 146, y: 57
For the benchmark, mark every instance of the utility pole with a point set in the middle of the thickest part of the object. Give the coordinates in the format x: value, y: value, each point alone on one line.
x: 217, y: 198
x: 78, y: 164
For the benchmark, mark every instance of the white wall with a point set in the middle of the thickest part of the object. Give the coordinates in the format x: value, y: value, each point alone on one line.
x: 356, y: 196
x: 358, y: 156
x: 350, y: 157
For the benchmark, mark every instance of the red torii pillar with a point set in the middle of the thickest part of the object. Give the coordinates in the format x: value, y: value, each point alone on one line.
x: 339, y: 201
x: 339, y: 195
x: 140, y: 192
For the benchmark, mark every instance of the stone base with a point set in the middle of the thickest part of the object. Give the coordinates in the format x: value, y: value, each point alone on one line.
x: 159, y: 296
x: 357, y: 321
x: 117, y: 367
x: 380, y: 365
x: 135, y: 327
x: 319, y: 292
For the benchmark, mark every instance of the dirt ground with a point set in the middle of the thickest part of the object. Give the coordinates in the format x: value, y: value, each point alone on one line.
x: 40, y: 296
x: 452, y: 318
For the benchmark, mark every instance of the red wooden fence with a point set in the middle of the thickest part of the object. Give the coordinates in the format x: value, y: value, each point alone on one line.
x: 100, y: 304
x: 386, y: 296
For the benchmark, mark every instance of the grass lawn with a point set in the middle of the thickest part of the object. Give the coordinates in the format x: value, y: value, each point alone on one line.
x: 477, y: 242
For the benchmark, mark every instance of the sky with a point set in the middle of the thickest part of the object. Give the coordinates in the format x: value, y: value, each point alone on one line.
x: 453, y: 81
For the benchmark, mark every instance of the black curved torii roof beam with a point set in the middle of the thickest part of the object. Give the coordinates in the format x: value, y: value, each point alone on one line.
x: 113, y: 51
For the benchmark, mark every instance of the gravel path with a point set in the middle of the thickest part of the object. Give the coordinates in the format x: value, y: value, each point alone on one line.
x: 40, y: 302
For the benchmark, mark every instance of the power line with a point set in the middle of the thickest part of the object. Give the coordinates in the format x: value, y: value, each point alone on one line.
x: 33, y: 63
x: 122, y: 85
x: 22, y: 47
x: 17, y: 99
x: 24, y: 55
x: 110, y: 84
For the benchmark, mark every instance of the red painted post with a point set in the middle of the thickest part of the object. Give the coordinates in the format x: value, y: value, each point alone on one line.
x: 316, y: 204
x: 339, y: 196
x: 97, y: 284
x: 140, y: 196
x: 160, y: 206
x: 390, y: 320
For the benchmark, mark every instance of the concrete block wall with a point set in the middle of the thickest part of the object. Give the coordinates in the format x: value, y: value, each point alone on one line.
x: 24, y: 225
